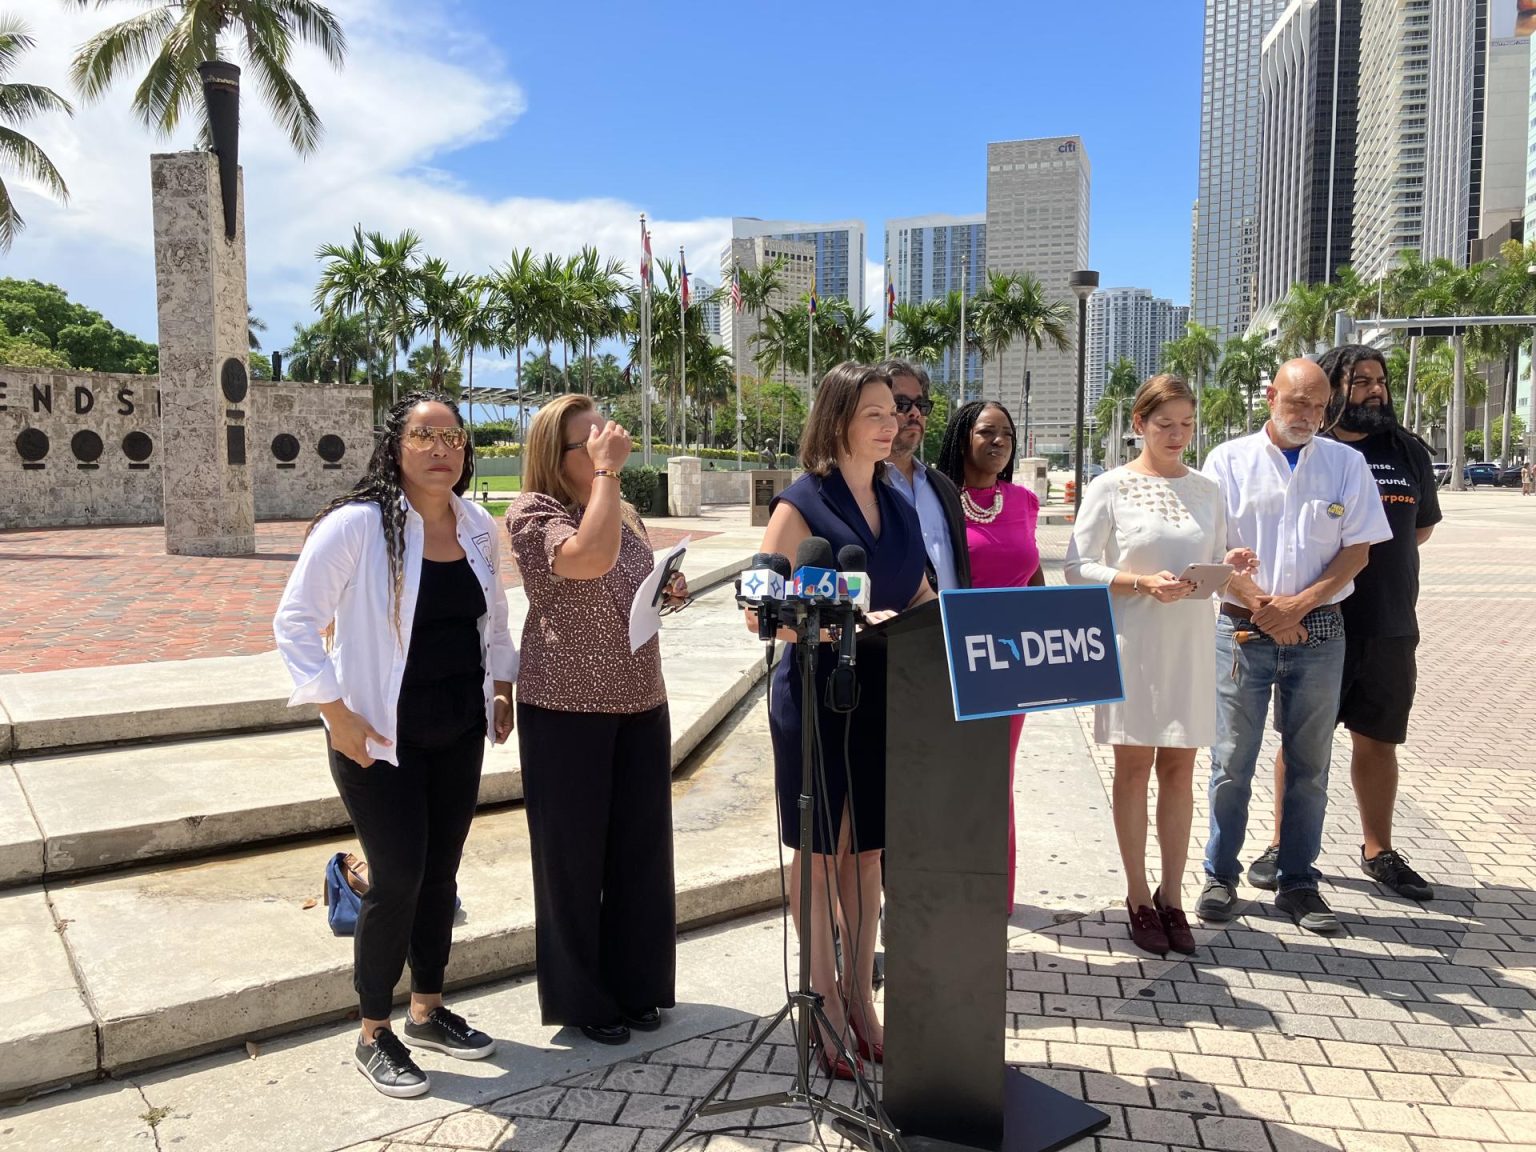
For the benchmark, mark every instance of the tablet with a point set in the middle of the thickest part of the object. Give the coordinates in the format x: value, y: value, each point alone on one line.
x: 1208, y: 579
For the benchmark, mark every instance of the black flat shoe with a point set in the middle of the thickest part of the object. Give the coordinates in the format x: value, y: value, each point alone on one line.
x: 606, y: 1033
x: 643, y: 1019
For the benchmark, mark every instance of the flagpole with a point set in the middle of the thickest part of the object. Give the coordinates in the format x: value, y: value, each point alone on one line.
x: 645, y: 341
x: 682, y: 342
x: 810, y: 353
x: 736, y: 356
x: 888, y: 294
x: 964, y: 259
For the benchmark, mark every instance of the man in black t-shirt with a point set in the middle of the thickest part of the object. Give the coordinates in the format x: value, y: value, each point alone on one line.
x: 1381, y: 627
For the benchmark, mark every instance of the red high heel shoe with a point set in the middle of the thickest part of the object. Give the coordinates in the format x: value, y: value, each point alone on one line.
x: 874, y: 1052
x: 836, y: 1066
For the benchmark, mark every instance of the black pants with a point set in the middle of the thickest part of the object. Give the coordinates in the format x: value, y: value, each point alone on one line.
x: 412, y: 821
x: 598, y: 791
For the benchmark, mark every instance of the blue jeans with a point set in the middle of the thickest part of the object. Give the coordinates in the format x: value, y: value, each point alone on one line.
x: 1306, y: 683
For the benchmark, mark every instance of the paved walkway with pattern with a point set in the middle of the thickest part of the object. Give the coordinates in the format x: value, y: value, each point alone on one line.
x: 1414, y: 1030
x: 91, y: 597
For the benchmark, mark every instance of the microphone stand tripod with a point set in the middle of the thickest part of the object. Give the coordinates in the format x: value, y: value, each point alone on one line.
x: 804, y: 1004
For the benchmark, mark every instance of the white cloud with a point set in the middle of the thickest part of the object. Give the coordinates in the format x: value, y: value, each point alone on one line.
x: 415, y: 90
x: 874, y: 291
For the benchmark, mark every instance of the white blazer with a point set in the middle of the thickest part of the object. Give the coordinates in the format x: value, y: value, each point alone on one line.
x: 342, y: 577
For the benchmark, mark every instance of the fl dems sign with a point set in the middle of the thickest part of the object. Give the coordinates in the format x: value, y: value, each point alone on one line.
x: 1029, y: 649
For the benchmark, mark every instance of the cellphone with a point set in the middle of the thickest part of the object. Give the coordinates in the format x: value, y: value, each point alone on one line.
x: 1207, y: 578
x: 674, y: 566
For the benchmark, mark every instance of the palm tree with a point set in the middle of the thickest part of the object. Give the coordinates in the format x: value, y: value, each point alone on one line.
x: 597, y: 304
x: 349, y: 282
x: 395, y: 264
x: 1305, y: 318
x: 511, y: 304
x: 1222, y: 406
x: 20, y: 102
x: 174, y: 37
x: 1014, y: 306
x: 1514, y: 294
x: 437, y: 305
x: 1244, y: 362
x: 1192, y: 356
x: 1119, y: 392
x: 919, y: 336
x: 1454, y: 291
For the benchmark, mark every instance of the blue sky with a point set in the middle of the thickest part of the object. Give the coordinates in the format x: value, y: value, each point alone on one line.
x: 486, y: 125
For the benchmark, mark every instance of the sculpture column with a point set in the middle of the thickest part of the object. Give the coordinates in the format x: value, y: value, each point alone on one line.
x: 205, y: 393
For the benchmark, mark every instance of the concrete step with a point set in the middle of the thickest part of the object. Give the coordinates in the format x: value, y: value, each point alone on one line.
x: 84, y: 811
x: 154, y: 964
x: 42, y: 712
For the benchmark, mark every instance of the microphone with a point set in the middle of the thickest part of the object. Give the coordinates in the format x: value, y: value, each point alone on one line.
x: 761, y: 588
x: 764, y: 579
x: 853, y: 586
x: 815, y: 575
x: 852, y: 580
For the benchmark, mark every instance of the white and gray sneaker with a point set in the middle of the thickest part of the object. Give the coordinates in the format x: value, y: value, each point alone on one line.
x: 388, y: 1065
x: 448, y: 1032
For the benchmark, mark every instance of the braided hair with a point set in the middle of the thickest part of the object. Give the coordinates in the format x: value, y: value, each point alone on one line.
x: 381, y: 483
x: 957, y: 441
x: 1339, y: 365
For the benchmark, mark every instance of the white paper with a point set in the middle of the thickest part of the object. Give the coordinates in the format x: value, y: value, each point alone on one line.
x: 645, y: 613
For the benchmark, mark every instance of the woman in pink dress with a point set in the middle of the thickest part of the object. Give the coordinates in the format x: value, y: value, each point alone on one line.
x: 1000, y: 519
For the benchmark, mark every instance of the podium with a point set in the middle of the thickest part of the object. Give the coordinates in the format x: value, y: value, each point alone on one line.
x: 946, y: 1082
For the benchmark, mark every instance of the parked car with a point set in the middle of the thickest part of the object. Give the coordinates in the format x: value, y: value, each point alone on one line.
x: 1509, y: 477
x: 1442, y: 473
x: 1475, y: 474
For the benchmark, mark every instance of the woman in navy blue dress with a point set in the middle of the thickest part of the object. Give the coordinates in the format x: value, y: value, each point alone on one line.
x: 845, y: 499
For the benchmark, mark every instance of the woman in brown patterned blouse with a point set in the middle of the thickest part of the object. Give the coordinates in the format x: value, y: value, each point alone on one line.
x: 594, y: 733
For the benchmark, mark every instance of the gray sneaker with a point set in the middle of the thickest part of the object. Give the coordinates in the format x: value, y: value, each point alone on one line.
x: 1265, y: 871
x: 388, y: 1065
x: 1308, y: 909
x: 450, y: 1033
x: 1218, y: 900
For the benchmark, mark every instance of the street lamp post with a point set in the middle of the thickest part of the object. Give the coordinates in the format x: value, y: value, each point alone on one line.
x: 1083, y: 282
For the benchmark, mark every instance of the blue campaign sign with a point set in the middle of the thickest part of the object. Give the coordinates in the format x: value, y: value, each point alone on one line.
x: 1029, y: 649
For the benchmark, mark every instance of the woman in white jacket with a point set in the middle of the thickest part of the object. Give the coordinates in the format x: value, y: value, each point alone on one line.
x: 394, y: 622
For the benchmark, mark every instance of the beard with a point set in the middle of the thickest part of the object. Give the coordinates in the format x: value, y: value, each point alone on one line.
x: 1367, y: 419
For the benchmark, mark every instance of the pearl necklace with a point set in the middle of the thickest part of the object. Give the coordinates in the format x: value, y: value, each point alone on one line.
x: 975, y: 513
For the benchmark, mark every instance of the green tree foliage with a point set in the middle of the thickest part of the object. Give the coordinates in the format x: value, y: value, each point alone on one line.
x: 18, y: 103
x: 43, y: 316
x: 174, y: 37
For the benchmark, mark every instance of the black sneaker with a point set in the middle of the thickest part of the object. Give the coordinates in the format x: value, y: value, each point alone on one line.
x: 1218, y: 900
x: 643, y: 1019
x: 388, y: 1065
x: 1265, y: 871
x: 1307, y: 907
x: 1390, y: 868
x: 449, y: 1032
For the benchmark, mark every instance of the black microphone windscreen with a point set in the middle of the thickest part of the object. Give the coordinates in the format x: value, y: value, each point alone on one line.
x: 814, y: 552
x: 773, y: 561
x: 851, y: 558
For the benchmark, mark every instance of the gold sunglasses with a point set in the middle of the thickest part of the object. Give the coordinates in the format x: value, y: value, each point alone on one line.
x: 420, y: 437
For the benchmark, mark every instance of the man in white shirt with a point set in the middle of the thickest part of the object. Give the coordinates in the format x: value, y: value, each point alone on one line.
x: 932, y: 493
x: 1309, y: 508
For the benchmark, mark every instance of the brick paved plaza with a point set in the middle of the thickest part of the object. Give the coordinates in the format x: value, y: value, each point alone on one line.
x: 1412, y: 1031
x: 90, y: 597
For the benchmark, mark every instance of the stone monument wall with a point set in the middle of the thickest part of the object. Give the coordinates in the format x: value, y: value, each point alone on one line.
x: 81, y: 448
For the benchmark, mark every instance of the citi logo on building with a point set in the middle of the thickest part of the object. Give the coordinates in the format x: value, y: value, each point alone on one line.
x: 1069, y: 146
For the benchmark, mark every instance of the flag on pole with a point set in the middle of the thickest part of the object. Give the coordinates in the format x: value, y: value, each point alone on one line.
x: 811, y: 303
x: 890, y: 301
x: 736, y: 289
x: 645, y: 256
x: 683, y: 265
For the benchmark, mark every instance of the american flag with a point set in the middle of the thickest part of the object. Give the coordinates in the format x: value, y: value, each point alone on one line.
x: 682, y: 262
x: 736, y: 289
x: 890, y: 301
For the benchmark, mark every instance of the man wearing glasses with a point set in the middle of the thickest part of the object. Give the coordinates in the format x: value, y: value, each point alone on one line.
x: 1381, y: 626
x: 932, y: 493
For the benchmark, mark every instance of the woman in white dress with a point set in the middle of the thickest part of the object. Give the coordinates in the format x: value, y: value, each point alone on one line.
x: 1139, y: 527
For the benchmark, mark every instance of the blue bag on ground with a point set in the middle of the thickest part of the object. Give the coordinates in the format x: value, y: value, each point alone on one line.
x: 342, y: 904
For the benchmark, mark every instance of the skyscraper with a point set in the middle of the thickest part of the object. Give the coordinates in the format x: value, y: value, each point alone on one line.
x: 1453, y: 142
x: 797, y: 272
x: 1505, y: 121
x: 923, y: 261
x: 1037, y: 223
x: 839, y: 248
x: 1309, y: 77
x: 1129, y: 324
x: 1226, y: 231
